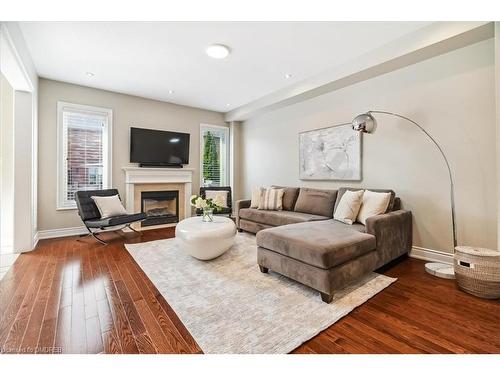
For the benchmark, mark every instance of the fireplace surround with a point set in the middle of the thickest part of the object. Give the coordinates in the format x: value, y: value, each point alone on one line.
x: 160, y: 207
x: 139, y: 180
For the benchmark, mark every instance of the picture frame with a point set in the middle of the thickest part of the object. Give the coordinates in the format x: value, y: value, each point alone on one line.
x: 330, y: 153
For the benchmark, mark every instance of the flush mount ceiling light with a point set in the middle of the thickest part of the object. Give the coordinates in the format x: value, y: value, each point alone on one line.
x: 217, y: 51
x: 90, y: 74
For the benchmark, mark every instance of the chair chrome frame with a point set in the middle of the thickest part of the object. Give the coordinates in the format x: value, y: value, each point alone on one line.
x: 89, y: 213
x: 94, y: 233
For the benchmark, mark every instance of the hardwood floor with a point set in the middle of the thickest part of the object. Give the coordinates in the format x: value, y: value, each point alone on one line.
x: 69, y: 296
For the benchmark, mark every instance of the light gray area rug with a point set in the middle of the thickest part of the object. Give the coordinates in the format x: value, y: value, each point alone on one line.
x: 229, y: 306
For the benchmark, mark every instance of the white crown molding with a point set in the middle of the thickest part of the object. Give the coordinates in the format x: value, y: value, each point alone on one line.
x: 431, y: 255
x: 423, y: 44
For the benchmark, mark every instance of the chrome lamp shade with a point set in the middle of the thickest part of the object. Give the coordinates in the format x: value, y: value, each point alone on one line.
x: 364, y: 123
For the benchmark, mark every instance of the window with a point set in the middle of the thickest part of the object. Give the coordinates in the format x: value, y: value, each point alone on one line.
x: 84, y: 150
x: 214, y: 154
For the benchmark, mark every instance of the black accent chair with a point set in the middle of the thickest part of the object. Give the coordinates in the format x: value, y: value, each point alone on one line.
x: 91, y: 217
x: 225, y: 210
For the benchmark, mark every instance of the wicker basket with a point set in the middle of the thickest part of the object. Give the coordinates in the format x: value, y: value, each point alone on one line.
x: 477, y: 271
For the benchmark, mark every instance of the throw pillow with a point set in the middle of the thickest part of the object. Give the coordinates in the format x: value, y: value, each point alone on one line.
x: 349, y: 205
x: 271, y: 199
x: 109, y: 206
x: 342, y: 190
x: 211, y: 194
x: 373, y: 204
x: 316, y: 202
x: 289, y: 197
x: 255, y: 197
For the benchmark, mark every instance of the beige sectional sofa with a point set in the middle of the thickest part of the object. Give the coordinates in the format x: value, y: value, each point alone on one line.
x: 303, y: 241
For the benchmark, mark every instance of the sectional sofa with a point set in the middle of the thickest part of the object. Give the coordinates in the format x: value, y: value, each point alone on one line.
x: 305, y: 243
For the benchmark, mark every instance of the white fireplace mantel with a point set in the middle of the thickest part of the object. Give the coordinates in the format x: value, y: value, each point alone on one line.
x: 138, y: 175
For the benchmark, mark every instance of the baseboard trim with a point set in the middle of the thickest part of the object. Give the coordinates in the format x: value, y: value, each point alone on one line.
x: 36, y: 238
x: 63, y: 232
x: 431, y: 255
x: 416, y: 251
x: 66, y: 232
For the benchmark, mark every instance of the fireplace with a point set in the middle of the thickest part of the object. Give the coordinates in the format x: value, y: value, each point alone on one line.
x: 160, y: 207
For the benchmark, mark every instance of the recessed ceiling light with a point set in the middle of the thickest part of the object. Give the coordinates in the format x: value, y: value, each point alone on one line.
x: 227, y: 104
x: 288, y: 75
x: 90, y: 74
x: 170, y: 91
x: 218, y: 51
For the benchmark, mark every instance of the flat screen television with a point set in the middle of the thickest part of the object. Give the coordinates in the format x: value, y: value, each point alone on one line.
x: 158, y: 148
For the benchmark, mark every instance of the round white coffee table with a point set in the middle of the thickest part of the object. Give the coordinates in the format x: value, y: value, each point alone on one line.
x: 203, y: 240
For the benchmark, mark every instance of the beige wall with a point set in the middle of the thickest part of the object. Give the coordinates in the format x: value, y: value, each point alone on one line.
x: 127, y: 111
x: 452, y: 96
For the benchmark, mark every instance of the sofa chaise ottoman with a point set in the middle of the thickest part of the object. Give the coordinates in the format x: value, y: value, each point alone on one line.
x: 323, y: 253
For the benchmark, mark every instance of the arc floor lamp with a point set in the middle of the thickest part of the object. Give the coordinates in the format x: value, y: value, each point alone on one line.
x: 366, y: 123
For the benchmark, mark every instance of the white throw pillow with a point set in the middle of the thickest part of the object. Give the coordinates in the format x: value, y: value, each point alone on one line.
x: 271, y: 199
x: 109, y: 206
x: 255, y: 197
x: 211, y: 194
x: 349, y: 205
x: 373, y: 204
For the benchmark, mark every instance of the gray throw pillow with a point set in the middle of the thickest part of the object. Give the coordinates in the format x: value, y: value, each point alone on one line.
x: 289, y: 197
x: 316, y: 201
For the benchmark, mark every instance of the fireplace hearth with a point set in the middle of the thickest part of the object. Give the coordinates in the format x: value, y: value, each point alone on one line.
x: 160, y: 207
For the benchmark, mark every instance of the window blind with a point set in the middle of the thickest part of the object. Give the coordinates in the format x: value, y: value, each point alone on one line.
x: 214, y: 156
x: 84, y: 137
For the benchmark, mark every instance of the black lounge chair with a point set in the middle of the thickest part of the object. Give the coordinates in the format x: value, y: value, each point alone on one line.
x: 225, y: 210
x: 91, y: 217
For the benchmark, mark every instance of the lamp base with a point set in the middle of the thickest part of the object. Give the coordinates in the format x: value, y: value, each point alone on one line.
x: 442, y: 270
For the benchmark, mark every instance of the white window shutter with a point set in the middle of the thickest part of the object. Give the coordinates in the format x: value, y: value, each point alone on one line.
x: 83, y: 157
x: 214, y: 170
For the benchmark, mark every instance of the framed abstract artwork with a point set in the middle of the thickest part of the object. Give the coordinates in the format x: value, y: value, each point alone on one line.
x: 332, y: 153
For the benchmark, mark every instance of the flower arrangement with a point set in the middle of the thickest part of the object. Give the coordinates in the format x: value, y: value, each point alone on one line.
x: 208, y: 205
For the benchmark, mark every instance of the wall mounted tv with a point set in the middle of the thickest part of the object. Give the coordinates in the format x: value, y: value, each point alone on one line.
x: 157, y: 148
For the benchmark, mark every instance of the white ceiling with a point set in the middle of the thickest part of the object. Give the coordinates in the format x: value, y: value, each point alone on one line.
x: 149, y: 59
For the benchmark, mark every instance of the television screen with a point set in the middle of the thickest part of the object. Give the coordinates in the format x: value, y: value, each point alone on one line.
x: 157, y: 147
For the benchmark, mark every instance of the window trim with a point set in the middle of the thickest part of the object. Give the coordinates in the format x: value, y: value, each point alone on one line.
x: 226, y: 130
x: 61, y: 202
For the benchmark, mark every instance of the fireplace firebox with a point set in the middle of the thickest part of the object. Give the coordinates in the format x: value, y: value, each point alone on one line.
x: 160, y: 207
